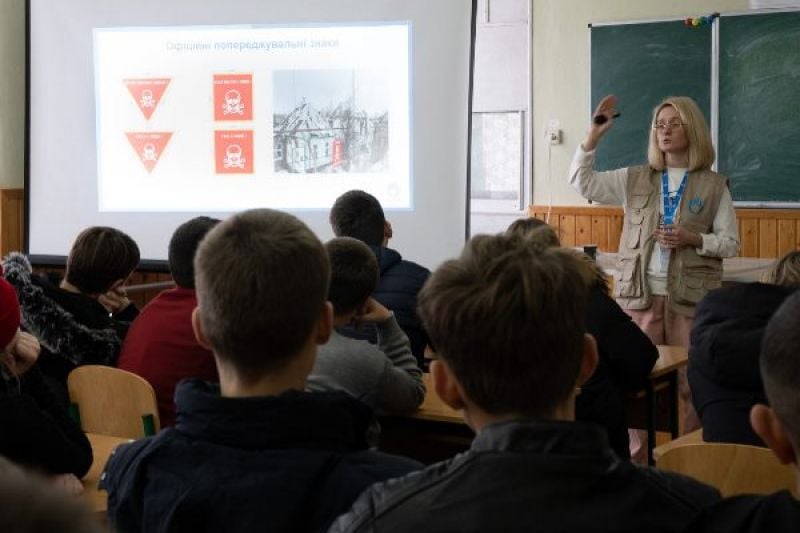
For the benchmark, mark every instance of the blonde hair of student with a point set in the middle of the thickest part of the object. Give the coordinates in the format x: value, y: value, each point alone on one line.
x: 698, y: 136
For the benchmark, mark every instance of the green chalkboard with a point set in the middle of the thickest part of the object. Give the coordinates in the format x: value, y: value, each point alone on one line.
x: 642, y: 64
x: 759, y: 106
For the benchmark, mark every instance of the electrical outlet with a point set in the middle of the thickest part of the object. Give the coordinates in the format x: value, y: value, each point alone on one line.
x: 553, y: 131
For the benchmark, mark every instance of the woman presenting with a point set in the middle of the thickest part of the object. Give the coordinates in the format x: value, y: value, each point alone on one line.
x: 679, y: 219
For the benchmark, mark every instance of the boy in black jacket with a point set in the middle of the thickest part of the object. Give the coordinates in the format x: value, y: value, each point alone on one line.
x: 254, y: 453
x: 508, y: 322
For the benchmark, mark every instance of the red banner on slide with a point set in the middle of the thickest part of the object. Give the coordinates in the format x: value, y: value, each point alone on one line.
x: 149, y: 146
x: 233, y: 97
x: 234, y: 151
x: 147, y: 93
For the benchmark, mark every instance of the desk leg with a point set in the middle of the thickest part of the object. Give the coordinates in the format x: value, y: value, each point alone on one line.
x: 650, y: 399
x: 675, y: 407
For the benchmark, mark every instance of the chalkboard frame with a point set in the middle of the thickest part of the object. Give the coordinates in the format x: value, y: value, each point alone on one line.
x: 714, y: 59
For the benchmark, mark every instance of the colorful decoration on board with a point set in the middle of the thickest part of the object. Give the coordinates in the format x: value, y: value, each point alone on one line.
x: 696, y: 22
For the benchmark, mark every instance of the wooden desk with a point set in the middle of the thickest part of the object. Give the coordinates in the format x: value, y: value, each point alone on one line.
x: 102, y: 446
x: 443, y: 431
x: 664, y: 373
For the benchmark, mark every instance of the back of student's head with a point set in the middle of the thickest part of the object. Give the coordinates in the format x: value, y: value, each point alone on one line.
x: 262, y: 283
x: 507, y: 317
x: 183, y: 246
x: 525, y: 227
x: 542, y: 234
x: 786, y: 270
x: 354, y: 273
x: 780, y: 365
x: 29, y: 505
x: 99, y: 257
x: 359, y: 215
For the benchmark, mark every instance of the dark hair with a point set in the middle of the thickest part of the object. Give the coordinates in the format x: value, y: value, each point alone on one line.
x: 354, y: 273
x: 507, y: 317
x: 359, y: 215
x: 780, y: 365
x: 262, y: 283
x: 100, y: 256
x: 182, y: 247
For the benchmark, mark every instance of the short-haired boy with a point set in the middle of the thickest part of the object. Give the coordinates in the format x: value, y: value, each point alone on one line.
x: 359, y: 215
x: 254, y: 453
x: 160, y: 345
x: 82, y: 318
x: 384, y: 376
x: 507, y: 320
x: 778, y: 425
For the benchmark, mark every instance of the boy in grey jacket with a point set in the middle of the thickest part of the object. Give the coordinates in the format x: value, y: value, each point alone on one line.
x: 384, y: 376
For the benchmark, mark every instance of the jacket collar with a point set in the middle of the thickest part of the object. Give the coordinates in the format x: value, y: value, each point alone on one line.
x: 387, y: 257
x: 294, y: 419
x: 554, y: 437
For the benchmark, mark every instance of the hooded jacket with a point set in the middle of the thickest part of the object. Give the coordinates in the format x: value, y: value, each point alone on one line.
x: 274, y: 463
x: 724, y: 356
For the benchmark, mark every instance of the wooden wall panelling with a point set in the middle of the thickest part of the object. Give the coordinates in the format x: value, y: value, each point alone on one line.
x: 566, y: 229
x: 748, y: 235
x: 11, y: 220
x: 600, y: 232
x: 767, y: 237
x: 763, y: 232
x: 583, y: 230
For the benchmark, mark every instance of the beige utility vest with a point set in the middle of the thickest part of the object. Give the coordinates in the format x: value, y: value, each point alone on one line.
x: 689, y: 275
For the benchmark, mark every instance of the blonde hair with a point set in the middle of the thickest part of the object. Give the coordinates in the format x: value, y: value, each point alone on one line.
x: 786, y: 270
x: 698, y: 136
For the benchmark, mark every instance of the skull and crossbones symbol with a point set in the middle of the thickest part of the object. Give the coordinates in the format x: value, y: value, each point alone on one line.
x: 147, y: 99
x: 233, y: 157
x: 233, y: 103
x: 149, y: 152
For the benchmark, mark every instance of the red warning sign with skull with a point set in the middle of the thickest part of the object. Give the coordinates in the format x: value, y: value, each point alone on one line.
x: 147, y: 93
x: 234, y: 151
x: 233, y: 97
x: 149, y: 146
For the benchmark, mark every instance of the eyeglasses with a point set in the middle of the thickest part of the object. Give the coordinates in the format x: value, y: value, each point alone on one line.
x: 671, y: 125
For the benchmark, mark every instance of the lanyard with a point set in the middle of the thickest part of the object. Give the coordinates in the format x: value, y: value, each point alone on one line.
x: 671, y: 204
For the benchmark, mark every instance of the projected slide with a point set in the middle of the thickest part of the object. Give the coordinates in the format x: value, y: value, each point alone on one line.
x: 229, y: 118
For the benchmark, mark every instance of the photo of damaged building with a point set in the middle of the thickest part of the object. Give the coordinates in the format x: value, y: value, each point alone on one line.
x: 343, y: 139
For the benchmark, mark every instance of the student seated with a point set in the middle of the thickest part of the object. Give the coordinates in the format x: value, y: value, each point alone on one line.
x: 254, y: 453
x: 35, y: 429
x: 508, y: 322
x: 160, y: 345
x: 385, y: 377
x: 359, y: 215
x: 626, y: 354
x: 725, y: 351
x: 82, y: 318
x: 779, y: 427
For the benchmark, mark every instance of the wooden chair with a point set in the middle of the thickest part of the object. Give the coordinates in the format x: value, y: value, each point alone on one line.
x: 731, y: 468
x: 110, y: 401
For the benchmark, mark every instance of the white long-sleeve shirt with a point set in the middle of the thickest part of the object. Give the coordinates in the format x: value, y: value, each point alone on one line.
x: 609, y: 188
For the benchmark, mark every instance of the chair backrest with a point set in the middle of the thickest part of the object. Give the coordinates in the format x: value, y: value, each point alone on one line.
x: 114, y: 402
x: 731, y: 468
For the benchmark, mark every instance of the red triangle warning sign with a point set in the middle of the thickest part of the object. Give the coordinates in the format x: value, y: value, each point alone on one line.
x: 147, y: 93
x: 149, y: 146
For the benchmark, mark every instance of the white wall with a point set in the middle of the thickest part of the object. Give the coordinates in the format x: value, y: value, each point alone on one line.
x: 561, y: 81
x: 12, y: 93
